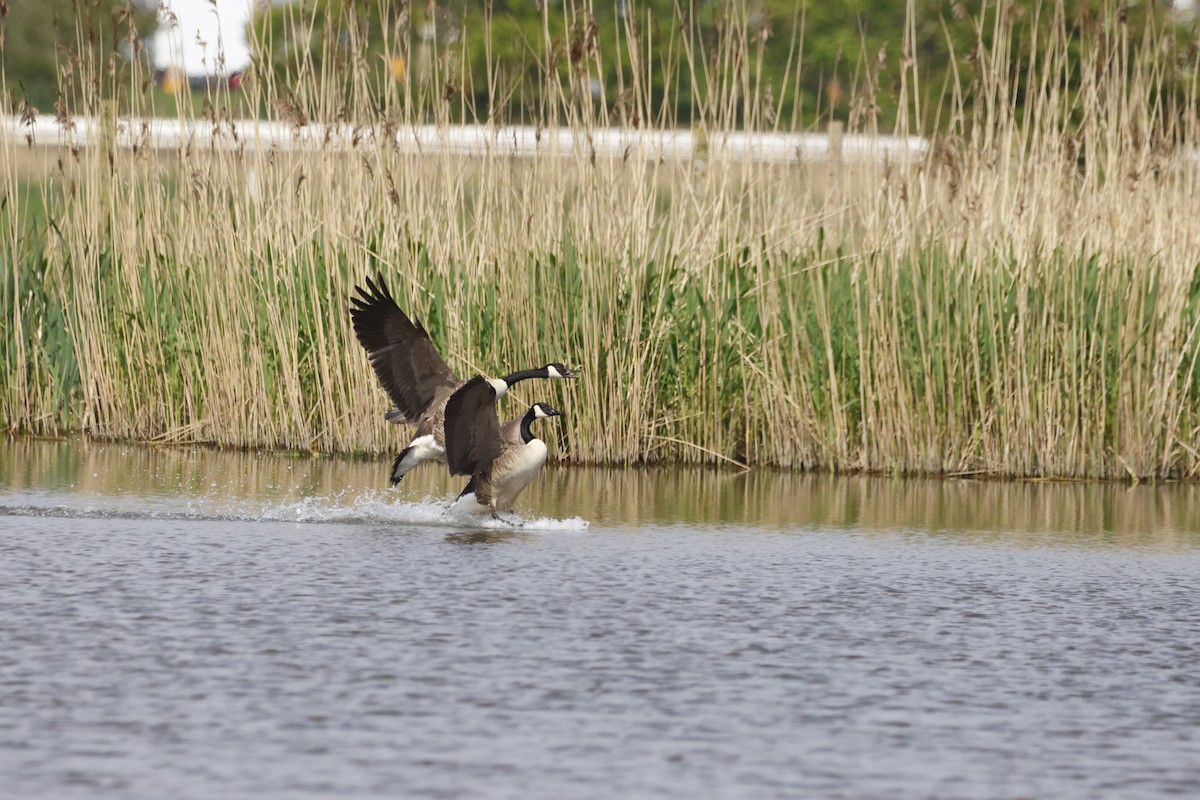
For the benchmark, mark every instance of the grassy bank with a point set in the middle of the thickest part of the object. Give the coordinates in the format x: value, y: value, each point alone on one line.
x: 1024, y: 300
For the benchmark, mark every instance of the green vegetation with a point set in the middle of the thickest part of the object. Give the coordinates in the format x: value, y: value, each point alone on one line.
x: 50, y: 49
x: 1023, y: 299
x: 637, y: 62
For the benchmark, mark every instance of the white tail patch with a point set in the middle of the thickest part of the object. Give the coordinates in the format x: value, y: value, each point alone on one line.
x: 419, y: 450
x: 468, y: 505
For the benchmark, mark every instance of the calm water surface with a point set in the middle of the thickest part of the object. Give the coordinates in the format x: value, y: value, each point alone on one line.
x: 190, y: 624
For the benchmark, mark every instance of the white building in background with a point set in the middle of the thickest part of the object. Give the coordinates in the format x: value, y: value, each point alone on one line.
x: 202, y: 37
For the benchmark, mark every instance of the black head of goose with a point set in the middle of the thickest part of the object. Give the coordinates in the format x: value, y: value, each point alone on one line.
x: 414, y: 375
x: 501, y: 459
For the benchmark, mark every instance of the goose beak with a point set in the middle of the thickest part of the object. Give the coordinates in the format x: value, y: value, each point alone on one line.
x: 551, y: 411
x: 572, y: 372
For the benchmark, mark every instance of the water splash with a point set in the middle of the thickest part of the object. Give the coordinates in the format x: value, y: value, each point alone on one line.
x: 381, y: 508
x: 348, y: 508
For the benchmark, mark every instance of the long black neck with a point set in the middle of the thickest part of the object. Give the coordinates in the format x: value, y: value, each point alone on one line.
x: 527, y: 431
x: 520, y: 375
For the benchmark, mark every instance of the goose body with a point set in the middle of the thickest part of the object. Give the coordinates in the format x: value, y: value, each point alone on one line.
x: 501, y: 459
x: 414, y: 375
x: 506, y: 477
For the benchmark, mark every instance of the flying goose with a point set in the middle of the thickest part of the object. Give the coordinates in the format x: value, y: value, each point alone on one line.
x: 501, y: 459
x: 414, y: 375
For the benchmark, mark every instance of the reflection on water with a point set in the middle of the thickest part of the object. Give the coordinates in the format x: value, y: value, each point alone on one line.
x: 1162, y: 515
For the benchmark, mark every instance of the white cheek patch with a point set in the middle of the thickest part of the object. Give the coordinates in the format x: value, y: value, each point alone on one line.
x: 552, y: 372
x: 538, y: 413
x: 499, y: 385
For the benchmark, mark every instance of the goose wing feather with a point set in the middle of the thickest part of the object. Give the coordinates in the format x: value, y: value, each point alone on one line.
x: 510, y: 432
x: 408, y: 366
x: 472, y: 428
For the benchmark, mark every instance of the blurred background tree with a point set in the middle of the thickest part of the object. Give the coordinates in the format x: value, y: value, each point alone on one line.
x: 802, y: 65
x: 494, y: 57
x: 48, y: 43
x: 765, y: 63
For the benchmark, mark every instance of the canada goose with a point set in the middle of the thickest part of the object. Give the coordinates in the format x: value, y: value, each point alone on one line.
x: 501, y: 459
x: 414, y: 375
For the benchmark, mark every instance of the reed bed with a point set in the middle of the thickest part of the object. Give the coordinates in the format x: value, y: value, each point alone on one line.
x: 1022, y: 300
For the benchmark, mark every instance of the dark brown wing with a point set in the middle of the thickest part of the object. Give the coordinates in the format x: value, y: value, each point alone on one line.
x: 472, y: 428
x: 408, y: 366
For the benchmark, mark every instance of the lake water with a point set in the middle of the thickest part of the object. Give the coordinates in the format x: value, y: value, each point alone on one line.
x: 191, y: 624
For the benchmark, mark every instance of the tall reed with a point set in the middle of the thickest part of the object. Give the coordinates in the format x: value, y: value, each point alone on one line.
x: 1023, y: 299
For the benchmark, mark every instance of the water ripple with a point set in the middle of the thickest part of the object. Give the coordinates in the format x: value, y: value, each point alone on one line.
x: 345, y: 643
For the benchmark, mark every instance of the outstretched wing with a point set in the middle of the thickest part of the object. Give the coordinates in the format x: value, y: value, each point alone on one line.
x: 408, y: 366
x: 472, y: 428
